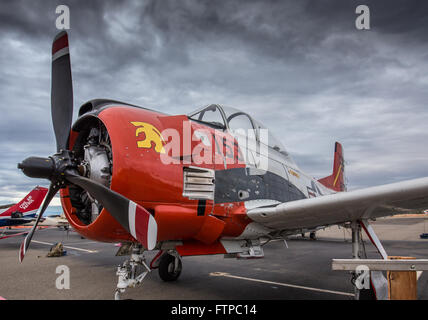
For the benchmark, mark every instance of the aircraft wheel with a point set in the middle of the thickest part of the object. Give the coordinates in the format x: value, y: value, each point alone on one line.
x: 168, y: 269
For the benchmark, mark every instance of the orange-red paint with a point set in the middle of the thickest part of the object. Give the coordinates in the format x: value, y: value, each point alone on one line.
x: 140, y: 175
x: 336, y: 180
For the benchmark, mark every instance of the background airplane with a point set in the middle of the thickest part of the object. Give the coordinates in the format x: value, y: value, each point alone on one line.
x: 115, y: 187
x: 24, y: 211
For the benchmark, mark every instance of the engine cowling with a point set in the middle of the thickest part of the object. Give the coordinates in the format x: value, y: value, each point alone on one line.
x: 107, y: 145
x: 118, y: 147
x: 91, y: 145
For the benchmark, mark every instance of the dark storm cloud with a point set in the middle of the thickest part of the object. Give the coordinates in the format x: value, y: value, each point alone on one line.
x: 301, y: 67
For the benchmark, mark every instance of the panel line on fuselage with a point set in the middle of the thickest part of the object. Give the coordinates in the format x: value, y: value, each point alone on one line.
x: 237, y: 185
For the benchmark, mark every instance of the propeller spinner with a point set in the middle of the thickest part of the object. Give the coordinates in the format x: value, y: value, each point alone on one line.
x: 61, y: 169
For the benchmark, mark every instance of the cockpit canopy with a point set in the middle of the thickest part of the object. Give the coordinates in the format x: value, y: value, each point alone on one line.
x: 237, y: 122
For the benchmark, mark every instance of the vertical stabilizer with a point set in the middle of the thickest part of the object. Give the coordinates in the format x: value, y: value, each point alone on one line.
x: 336, y: 181
x: 29, y: 204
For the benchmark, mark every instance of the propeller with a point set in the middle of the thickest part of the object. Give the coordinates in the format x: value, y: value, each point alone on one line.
x: 61, y: 169
x: 62, y: 90
x: 133, y: 217
x: 26, y: 243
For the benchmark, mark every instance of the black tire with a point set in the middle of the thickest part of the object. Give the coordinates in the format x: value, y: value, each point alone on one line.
x: 166, y: 268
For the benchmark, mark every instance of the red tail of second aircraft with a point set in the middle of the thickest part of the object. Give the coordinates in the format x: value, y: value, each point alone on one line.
x: 28, y: 206
x: 336, y: 181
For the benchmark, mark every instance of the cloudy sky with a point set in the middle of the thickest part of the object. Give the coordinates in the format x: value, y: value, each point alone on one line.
x: 300, y: 67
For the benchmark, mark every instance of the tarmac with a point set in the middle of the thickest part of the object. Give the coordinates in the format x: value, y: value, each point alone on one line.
x: 302, y: 271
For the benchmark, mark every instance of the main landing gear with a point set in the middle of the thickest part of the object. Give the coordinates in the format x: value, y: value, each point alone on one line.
x: 133, y: 271
x: 169, y: 266
x: 377, y: 284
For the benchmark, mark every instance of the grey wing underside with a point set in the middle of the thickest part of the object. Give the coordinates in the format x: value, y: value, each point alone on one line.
x: 409, y: 196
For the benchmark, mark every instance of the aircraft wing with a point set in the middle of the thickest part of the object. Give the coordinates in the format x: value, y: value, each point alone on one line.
x: 10, y: 233
x: 13, y: 235
x: 22, y: 220
x: 396, y: 198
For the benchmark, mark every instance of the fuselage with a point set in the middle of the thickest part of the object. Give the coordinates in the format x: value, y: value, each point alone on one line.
x: 197, y: 178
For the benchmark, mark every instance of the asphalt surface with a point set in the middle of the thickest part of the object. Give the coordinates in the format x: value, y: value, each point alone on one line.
x: 301, y: 271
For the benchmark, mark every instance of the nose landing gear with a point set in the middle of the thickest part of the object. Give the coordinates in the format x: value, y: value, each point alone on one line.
x: 133, y: 271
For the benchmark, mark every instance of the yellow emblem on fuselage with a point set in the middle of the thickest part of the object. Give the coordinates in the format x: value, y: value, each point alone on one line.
x: 151, y: 135
x: 294, y: 173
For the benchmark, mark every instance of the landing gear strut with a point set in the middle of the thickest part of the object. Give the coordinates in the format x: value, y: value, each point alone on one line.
x: 356, y: 252
x: 378, y: 288
x: 132, y: 271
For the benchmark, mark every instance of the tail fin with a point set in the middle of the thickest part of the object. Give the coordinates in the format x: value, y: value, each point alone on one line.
x: 29, y: 204
x: 336, y: 181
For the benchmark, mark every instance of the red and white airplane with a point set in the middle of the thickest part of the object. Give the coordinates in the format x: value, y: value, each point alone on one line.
x: 24, y: 211
x: 225, y: 189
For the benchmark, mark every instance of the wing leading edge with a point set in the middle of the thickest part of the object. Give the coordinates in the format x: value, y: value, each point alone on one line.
x: 373, y: 202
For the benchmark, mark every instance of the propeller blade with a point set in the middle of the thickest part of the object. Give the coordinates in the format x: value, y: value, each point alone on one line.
x: 26, y: 243
x: 132, y: 217
x: 62, y: 90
